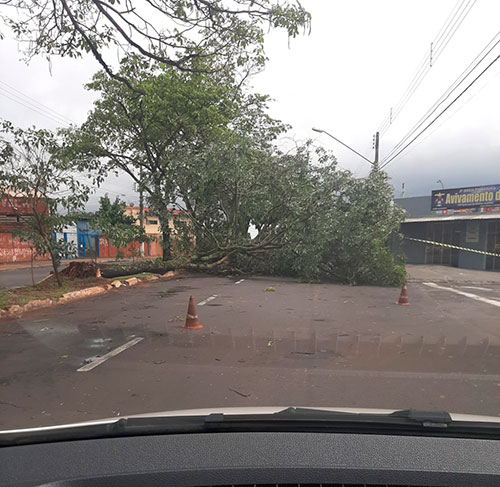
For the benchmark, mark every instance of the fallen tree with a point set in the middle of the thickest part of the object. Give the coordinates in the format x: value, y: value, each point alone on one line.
x: 206, y: 146
x: 309, y: 220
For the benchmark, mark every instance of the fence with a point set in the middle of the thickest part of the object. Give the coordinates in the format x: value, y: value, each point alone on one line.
x: 91, y: 244
x: 87, y: 245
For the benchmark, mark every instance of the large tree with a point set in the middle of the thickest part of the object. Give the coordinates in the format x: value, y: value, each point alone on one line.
x: 172, y: 32
x: 182, y: 120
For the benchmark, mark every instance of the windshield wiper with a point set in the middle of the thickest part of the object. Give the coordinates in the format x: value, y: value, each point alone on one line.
x: 406, y: 422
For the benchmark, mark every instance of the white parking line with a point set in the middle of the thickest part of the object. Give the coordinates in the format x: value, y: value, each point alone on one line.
x: 205, y: 301
x: 240, y: 281
x: 478, y: 288
x: 114, y: 352
x: 463, y: 293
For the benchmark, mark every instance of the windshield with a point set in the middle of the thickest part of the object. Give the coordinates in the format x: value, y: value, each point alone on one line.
x: 235, y: 203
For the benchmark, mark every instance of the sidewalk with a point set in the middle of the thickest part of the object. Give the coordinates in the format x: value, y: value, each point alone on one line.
x: 12, y: 266
x: 438, y: 273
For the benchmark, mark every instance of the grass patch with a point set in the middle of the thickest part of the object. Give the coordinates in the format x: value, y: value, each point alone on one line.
x: 44, y: 290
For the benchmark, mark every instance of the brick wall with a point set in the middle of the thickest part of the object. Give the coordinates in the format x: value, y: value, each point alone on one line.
x: 106, y: 249
x: 13, y: 250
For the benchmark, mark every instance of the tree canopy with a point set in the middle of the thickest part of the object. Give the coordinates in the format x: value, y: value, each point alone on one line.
x: 182, y: 120
x: 171, y: 32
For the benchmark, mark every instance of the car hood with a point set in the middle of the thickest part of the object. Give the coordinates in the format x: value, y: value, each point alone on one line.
x: 239, y: 411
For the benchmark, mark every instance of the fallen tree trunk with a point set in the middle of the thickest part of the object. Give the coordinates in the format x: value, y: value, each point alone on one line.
x: 214, y: 260
x: 113, y: 269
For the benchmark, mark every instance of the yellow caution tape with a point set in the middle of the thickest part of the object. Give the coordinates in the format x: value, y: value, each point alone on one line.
x: 449, y: 246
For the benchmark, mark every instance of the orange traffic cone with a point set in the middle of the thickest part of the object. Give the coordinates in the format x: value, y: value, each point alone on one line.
x: 403, y: 298
x: 191, y: 317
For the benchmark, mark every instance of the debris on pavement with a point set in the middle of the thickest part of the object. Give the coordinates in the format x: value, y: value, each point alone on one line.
x: 270, y: 289
x: 239, y: 393
x: 90, y: 360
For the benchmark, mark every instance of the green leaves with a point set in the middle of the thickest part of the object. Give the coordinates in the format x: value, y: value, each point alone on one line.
x: 175, y: 33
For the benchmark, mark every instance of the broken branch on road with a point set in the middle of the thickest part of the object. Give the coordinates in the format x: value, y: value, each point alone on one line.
x: 239, y: 393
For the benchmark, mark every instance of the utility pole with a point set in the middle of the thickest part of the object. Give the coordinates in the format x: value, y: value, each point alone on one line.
x: 375, y: 162
x: 141, y: 208
x: 375, y: 146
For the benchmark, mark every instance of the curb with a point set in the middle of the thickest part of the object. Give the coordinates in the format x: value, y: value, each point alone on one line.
x: 17, y: 310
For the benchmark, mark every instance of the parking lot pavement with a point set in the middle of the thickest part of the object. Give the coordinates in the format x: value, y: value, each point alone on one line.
x: 452, y: 275
x: 265, y: 342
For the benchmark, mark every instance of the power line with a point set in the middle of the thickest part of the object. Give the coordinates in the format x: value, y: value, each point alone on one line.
x: 458, y: 81
x: 444, y: 36
x: 425, y: 65
x: 35, y: 102
x: 447, y: 34
x: 442, y: 112
x: 456, y: 26
x: 447, y: 118
x: 32, y: 108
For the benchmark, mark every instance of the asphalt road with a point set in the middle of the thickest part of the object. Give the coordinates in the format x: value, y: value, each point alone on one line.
x: 22, y: 277
x: 301, y: 344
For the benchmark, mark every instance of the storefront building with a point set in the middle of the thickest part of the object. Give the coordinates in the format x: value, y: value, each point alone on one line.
x: 460, y: 217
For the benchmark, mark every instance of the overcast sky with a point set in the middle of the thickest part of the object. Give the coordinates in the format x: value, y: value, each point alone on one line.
x: 356, y: 63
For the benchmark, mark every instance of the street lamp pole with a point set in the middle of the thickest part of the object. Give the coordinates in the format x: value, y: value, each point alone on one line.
x: 374, y: 163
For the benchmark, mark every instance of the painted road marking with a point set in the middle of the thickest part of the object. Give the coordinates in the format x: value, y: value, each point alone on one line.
x: 240, y: 281
x: 114, y: 352
x: 205, y: 301
x: 478, y: 288
x: 463, y: 293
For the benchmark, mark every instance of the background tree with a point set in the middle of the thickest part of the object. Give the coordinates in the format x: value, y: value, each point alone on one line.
x: 33, y: 171
x: 115, y: 225
x: 172, y: 32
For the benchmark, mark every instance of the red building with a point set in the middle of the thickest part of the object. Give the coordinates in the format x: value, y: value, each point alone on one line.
x: 13, y: 209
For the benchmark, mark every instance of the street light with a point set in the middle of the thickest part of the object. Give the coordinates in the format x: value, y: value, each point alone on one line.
x: 441, y: 183
x: 321, y: 131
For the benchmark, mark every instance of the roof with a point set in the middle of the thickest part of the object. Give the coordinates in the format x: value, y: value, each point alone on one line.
x: 147, y: 210
x: 416, y: 206
x: 455, y: 217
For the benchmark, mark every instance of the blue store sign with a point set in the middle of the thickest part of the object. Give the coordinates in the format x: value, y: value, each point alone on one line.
x: 459, y: 198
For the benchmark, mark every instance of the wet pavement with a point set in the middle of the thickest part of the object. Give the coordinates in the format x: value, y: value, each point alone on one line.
x: 293, y: 344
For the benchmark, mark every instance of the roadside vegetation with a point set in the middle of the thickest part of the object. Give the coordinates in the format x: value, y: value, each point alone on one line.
x: 48, y: 289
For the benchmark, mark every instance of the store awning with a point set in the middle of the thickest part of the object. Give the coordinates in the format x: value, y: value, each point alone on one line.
x: 454, y: 217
